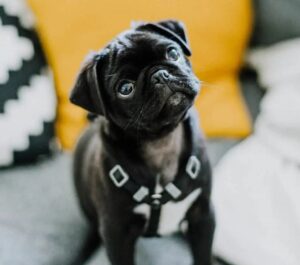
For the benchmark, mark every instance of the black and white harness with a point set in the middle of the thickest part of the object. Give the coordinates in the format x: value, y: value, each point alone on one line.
x: 171, y: 191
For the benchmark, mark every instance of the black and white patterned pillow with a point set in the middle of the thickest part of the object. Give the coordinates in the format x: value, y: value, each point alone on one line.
x: 27, y: 95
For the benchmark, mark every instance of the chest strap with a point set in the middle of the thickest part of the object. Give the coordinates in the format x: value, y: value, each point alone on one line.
x: 141, y: 194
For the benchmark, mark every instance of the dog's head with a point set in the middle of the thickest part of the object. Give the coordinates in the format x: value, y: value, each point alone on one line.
x: 142, y: 81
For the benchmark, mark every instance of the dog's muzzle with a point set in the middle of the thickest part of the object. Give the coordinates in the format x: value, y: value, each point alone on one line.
x: 186, y: 86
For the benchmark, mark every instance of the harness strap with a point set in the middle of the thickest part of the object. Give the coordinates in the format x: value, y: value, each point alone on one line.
x: 141, y: 194
x: 153, y: 222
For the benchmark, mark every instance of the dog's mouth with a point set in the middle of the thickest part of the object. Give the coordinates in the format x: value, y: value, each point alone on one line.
x: 180, y: 92
x: 172, y: 97
x: 186, y: 87
x: 177, y: 98
x: 161, y: 78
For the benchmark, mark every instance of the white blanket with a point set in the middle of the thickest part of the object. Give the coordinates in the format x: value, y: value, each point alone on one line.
x: 257, y: 184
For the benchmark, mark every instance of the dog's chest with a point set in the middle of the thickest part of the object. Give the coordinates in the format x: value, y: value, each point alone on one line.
x: 172, y: 214
x: 162, y: 156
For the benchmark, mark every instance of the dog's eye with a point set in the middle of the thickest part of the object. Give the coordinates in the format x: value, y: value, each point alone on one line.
x: 126, y: 89
x: 172, y: 54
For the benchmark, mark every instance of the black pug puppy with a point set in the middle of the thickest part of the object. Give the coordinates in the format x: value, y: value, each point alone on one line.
x: 141, y: 167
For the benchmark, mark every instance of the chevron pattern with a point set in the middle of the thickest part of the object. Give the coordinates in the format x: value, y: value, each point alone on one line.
x: 27, y: 95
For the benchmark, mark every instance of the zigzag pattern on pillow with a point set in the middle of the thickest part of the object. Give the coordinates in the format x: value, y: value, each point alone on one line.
x: 27, y: 96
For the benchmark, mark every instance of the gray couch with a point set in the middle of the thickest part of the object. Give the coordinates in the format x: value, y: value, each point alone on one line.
x: 41, y: 223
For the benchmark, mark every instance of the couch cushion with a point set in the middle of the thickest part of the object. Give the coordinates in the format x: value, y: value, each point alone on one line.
x: 27, y: 95
x: 218, y: 32
x: 159, y: 251
x: 40, y: 221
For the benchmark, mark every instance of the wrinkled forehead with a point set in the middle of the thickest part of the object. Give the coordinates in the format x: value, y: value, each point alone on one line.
x: 139, y: 48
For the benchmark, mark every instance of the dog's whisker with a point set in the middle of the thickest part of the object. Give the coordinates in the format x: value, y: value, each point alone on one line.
x: 210, y: 85
x: 144, y: 108
x: 138, y: 124
x: 134, y: 118
x: 111, y: 75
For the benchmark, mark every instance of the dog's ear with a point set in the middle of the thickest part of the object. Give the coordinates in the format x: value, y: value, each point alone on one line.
x: 87, y: 93
x: 172, y: 29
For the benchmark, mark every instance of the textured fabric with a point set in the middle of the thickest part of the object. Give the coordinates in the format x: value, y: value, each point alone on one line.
x: 171, y: 250
x: 40, y: 223
x: 149, y: 251
x: 218, y: 32
x: 27, y: 95
x: 257, y: 185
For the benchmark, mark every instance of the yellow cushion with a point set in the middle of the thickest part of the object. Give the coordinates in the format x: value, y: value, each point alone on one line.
x: 218, y: 31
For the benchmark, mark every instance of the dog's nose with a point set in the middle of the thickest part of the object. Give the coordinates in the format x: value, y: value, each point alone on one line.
x: 160, y: 76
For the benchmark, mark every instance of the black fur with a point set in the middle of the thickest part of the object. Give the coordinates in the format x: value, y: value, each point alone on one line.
x: 126, y: 127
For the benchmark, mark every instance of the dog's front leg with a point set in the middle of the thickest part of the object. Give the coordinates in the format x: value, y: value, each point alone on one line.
x: 201, y: 226
x: 119, y: 237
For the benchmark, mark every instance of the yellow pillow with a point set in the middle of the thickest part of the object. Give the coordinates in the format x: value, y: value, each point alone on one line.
x: 218, y: 31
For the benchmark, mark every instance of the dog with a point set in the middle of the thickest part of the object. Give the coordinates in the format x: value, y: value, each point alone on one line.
x: 141, y: 168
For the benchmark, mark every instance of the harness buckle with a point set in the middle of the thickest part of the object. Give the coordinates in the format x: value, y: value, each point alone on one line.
x: 141, y: 193
x: 156, y: 200
x: 193, y: 167
x: 173, y: 190
x: 118, y: 176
